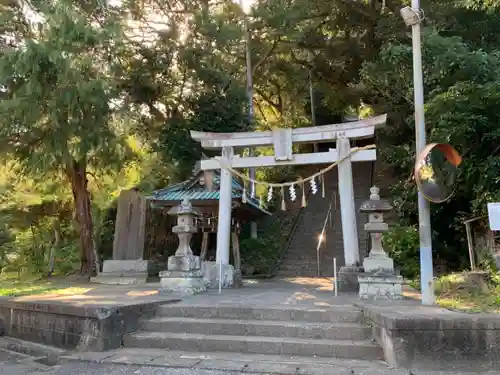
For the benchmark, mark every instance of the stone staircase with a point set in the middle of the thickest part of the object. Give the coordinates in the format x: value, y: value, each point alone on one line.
x: 300, y: 258
x: 292, y: 331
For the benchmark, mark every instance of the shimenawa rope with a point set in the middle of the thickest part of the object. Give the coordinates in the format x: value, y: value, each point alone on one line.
x: 299, y: 181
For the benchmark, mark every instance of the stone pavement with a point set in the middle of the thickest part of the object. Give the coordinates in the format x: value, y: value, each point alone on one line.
x: 286, y: 291
x: 88, y: 294
x: 292, y: 291
x: 154, y: 361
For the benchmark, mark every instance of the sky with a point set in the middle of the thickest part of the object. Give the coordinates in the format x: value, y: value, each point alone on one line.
x: 247, y: 4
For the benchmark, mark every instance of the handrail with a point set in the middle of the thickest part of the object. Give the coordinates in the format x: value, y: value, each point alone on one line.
x: 290, y: 237
x: 333, y: 201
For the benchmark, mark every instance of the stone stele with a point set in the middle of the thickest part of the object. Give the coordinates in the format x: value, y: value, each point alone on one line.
x: 128, y: 266
x: 184, y: 273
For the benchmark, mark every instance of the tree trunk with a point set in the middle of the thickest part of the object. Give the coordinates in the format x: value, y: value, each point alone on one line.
x: 77, y: 174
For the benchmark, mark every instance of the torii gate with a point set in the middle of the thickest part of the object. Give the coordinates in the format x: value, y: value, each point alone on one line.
x: 282, y: 140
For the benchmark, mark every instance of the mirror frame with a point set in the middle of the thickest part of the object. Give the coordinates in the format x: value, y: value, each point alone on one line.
x: 451, y: 155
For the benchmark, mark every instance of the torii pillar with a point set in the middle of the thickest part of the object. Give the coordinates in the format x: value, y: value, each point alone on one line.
x: 348, y: 274
x: 347, y: 204
x: 225, y: 208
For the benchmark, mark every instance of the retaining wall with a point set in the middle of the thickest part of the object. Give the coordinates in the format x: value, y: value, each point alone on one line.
x: 72, y: 327
x: 426, y: 337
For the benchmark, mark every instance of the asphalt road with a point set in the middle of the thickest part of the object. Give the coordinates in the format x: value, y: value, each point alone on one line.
x: 91, y: 369
x: 100, y: 369
x: 16, y: 364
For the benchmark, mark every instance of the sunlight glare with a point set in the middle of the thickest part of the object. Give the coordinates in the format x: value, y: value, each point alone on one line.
x: 246, y: 5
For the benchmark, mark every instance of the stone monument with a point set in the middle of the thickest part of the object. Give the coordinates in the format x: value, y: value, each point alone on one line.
x: 128, y: 266
x: 184, y: 274
x: 379, y: 280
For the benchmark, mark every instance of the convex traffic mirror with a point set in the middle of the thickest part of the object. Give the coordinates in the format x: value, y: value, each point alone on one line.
x: 436, y: 170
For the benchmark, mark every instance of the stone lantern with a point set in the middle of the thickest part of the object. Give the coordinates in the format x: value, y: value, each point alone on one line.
x: 379, y: 280
x: 184, y: 273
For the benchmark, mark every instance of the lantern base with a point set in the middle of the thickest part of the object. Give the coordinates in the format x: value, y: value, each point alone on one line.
x: 376, y: 263
x: 380, y: 287
x: 184, y: 275
x: 182, y: 282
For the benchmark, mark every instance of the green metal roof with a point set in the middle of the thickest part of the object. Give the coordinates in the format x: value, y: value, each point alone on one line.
x: 193, y: 190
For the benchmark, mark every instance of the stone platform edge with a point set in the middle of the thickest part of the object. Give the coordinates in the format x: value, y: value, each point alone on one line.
x: 434, y: 338
x: 96, y: 327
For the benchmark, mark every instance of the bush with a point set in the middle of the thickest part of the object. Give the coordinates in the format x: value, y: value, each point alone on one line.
x: 469, y: 291
x: 67, y: 259
x: 486, y: 262
x: 402, y: 245
x: 253, y: 260
x: 259, y: 256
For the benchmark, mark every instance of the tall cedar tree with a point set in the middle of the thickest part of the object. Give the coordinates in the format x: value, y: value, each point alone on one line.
x: 56, y: 100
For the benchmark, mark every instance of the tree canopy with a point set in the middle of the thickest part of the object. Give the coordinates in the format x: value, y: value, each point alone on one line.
x: 100, y: 96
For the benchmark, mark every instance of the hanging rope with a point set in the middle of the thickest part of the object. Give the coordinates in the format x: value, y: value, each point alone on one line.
x: 298, y: 182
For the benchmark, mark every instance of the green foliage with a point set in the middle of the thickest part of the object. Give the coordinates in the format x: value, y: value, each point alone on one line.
x: 88, y: 91
x: 460, y: 86
x: 57, y: 107
x: 469, y: 292
x: 260, y: 256
x: 466, y: 116
x: 486, y: 261
x: 472, y: 20
x: 67, y: 259
x: 253, y: 259
x: 219, y: 109
x: 402, y: 245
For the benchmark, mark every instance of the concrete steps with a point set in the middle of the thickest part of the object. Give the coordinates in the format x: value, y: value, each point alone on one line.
x: 303, y: 245
x: 300, y: 258
x: 298, y: 273
x: 292, y: 267
x: 255, y: 345
x: 266, y: 328
x: 337, y: 314
x: 333, y: 332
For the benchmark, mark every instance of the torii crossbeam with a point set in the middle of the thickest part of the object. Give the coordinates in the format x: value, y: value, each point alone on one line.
x: 282, y: 139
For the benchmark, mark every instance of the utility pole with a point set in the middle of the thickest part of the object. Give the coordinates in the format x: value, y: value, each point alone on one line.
x: 249, y: 91
x: 311, y: 95
x: 413, y: 17
x: 313, y: 107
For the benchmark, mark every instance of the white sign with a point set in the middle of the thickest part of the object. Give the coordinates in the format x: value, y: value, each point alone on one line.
x: 494, y: 215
